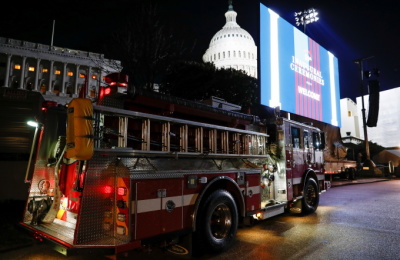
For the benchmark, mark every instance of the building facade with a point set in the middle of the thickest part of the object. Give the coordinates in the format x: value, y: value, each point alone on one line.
x: 59, y: 74
x: 349, y: 118
x: 386, y: 133
x: 233, y: 47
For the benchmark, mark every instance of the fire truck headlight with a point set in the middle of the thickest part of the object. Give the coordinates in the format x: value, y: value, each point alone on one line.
x: 258, y: 216
x: 121, y: 217
x: 121, y: 230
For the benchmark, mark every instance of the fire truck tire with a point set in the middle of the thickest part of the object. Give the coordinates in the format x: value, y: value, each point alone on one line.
x: 310, y: 197
x: 345, y: 174
x: 352, y: 174
x: 217, y: 222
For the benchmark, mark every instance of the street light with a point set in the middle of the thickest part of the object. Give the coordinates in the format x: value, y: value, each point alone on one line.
x: 306, y: 17
x: 368, y: 162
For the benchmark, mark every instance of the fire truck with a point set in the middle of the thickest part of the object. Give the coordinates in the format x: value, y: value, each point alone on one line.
x: 125, y: 171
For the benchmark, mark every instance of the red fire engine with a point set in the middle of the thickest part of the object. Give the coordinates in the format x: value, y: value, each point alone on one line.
x: 129, y: 170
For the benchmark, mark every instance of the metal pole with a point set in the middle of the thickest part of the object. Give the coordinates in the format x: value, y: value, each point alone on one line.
x: 52, y: 33
x: 360, y: 65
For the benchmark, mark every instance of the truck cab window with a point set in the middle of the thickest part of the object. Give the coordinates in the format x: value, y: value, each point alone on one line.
x: 319, y: 141
x: 306, y: 139
x: 295, y: 137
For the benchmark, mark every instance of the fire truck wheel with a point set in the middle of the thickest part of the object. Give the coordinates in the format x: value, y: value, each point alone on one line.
x: 218, y: 221
x: 310, y: 197
x: 352, y: 175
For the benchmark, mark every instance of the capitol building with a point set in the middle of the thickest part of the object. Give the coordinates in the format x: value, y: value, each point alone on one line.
x: 59, y: 74
x: 233, y: 47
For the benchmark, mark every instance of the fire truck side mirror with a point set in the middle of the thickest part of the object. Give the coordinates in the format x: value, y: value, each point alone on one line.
x: 277, y: 111
x: 279, y: 121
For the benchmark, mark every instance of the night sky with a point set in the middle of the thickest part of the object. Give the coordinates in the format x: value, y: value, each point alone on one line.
x: 349, y: 29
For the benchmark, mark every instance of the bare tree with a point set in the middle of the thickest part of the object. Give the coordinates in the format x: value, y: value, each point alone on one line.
x: 146, y: 44
x: 199, y: 81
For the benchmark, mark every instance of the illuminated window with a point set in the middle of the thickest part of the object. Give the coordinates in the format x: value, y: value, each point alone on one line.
x: 349, y: 114
x: 81, y: 75
x: 94, y: 76
x: 57, y: 72
x: 45, y: 70
x: 70, y: 73
x: 31, y: 69
x: 17, y: 66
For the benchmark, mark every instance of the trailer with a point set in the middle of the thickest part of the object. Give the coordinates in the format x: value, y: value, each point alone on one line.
x: 344, y: 169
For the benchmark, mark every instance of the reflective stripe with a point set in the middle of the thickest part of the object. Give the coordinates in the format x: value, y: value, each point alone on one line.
x: 148, y: 205
x: 159, y: 203
x: 296, y: 181
x: 190, y: 199
x: 177, y: 201
x: 253, y: 190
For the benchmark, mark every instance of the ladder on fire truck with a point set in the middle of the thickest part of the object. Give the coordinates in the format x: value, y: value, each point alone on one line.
x: 153, y: 134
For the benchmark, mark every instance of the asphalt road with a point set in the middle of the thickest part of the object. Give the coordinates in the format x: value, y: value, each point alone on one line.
x: 352, y: 222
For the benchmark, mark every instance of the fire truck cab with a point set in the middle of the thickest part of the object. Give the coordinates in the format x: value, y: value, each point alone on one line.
x: 126, y: 171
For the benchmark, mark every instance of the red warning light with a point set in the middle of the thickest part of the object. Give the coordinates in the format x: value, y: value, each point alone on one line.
x: 121, y: 191
x: 107, y: 189
x: 107, y: 91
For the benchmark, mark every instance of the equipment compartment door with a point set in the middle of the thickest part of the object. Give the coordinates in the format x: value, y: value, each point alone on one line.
x: 252, y: 196
x: 157, y: 205
x: 172, y: 206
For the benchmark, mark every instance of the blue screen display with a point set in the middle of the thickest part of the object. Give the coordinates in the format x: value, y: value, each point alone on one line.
x: 297, y: 74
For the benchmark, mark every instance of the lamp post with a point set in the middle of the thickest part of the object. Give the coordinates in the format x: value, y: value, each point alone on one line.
x: 359, y: 62
x: 306, y: 17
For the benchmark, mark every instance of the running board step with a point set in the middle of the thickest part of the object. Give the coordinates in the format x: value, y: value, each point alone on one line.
x: 271, y: 211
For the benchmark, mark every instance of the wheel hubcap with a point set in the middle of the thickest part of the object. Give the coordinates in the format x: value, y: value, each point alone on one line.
x: 221, y: 221
x: 311, y: 195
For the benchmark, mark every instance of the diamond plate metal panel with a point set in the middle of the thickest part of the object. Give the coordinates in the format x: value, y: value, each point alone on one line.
x: 96, y: 221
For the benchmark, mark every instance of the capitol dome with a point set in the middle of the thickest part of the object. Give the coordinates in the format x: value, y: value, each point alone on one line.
x: 233, y: 47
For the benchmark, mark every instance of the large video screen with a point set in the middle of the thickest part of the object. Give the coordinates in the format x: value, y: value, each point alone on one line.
x: 297, y: 74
